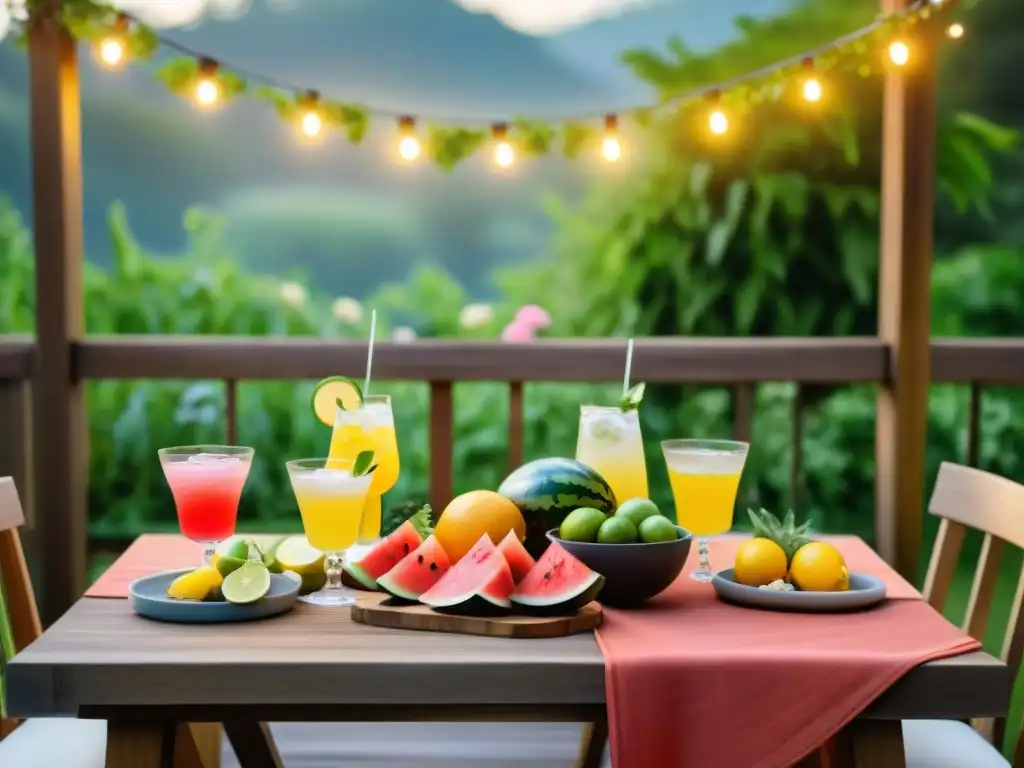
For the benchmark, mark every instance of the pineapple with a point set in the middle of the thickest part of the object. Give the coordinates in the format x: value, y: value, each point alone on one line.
x: 787, y: 534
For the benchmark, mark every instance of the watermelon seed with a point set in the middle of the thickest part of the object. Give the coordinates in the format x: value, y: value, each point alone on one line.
x: 433, y: 566
x: 406, y: 546
x: 419, y: 558
x: 547, y: 575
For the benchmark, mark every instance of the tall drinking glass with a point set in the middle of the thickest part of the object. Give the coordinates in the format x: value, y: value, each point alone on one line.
x: 370, y: 428
x: 206, y: 482
x: 705, y: 476
x: 331, y: 501
x: 610, y: 443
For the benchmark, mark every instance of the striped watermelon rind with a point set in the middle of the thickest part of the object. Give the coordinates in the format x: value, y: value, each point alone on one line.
x: 546, y: 490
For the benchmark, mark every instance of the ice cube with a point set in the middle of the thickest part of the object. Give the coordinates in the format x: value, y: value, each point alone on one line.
x: 608, y: 427
x: 210, y: 458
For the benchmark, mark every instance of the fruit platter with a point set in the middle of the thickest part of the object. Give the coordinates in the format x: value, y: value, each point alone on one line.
x: 783, y: 568
x: 241, y: 583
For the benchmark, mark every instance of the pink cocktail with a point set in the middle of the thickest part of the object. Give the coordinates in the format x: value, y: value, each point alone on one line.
x: 206, y: 482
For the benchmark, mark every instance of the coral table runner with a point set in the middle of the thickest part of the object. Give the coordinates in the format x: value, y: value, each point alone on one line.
x: 148, y: 554
x: 691, y: 680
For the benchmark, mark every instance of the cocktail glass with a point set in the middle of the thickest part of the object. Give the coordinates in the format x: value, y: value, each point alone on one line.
x: 369, y: 428
x: 331, y: 501
x: 206, y: 482
x: 610, y: 443
x: 705, y: 476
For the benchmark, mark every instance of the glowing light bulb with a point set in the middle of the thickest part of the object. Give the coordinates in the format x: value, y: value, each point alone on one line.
x: 718, y: 123
x: 111, y: 53
x: 409, y: 148
x: 207, y: 93
x: 312, y: 124
x: 611, y: 150
x: 504, y: 155
x: 812, y: 90
x: 899, y: 53
x: 955, y: 30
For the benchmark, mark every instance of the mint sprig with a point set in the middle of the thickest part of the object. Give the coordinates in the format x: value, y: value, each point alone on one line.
x: 363, y: 465
x: 340, y: 402
x: 632, y: 398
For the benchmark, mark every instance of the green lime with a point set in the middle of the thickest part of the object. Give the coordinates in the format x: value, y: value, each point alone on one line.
x: 617, y: 530
x: 637, y: 510
x: 247, y: 584
x: 582, y: 524
x: 228, y: 564
x: 657, y: 528
x: 239, y: 550
x: 270, y: 560
x: 333, y: 393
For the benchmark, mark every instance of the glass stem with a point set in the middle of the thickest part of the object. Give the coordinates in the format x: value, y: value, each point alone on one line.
x: 208, y: 552
x: 703, y: 552
x: 332, y: 565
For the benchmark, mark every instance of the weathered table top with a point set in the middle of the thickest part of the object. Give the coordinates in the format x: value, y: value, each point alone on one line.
x: 101, y: 657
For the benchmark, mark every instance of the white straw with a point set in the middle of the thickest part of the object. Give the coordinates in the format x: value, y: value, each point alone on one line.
x: 369, y: 351
x: 629, y: 365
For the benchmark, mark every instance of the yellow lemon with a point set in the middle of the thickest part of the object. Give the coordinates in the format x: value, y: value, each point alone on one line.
x: 819, y: 567
x: 759, y: 561
x: 195, y: 585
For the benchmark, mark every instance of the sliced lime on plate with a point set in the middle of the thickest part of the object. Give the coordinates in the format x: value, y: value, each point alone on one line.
x: 247, y: 584
x: 335, y: 392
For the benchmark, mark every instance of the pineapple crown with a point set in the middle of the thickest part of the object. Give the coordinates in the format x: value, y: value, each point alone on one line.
x: 786, y: 533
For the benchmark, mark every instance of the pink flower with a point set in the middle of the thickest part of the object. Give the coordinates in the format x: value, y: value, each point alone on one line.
x: 533, y: 317
x: 517, y: 332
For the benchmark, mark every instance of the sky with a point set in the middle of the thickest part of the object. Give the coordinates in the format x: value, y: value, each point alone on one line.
x: 535, y: 17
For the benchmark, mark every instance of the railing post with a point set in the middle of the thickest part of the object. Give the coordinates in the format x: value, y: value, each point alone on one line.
x: 59, y: 420
x: 904, y: 302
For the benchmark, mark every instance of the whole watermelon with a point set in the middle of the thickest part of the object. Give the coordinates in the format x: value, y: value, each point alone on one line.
x: 546, y: 490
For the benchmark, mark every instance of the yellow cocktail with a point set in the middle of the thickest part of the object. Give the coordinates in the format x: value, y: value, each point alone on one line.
x: 610, y: 443
x: 331, y: 501
x: 705, y: 476
x: 369, y: 428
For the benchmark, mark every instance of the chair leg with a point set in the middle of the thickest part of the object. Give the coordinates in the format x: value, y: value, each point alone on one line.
x: 592, y: 744
x: 139, y: 746
x: 253, y: 744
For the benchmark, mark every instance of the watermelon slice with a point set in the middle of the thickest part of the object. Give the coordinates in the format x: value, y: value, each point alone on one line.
x: 385, y: 555
x: 559, y: 583
x: 480, y: 583
x: 417, y: 572
x: 518, y: 559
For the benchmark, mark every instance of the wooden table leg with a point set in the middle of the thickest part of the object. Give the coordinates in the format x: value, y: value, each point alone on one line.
x: 253, y: 744
x: 592, y: 744
x: 207, y: 740
x: 871, y: 744
x: 134, y: 745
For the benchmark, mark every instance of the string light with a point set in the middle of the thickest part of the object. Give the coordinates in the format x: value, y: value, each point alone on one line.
x: 611, y: 149
x: 899, y: 53
x: 504, y: 155
x: 312, y: 122
x: 207, y: 90
x: 111, y: 52
x: 718, y: 122
x: 812, y: 90
x: 408, y: 145
x: 955, y: 30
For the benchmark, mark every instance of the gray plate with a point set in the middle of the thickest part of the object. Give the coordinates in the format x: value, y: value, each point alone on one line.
x: 864, y: 592
x: 149, y: 598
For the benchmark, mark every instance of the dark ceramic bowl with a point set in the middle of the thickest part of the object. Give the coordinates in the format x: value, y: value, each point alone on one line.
x: 632, y: 573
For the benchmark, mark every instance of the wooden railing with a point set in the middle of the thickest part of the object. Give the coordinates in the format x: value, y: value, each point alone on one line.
x: 740, y: 363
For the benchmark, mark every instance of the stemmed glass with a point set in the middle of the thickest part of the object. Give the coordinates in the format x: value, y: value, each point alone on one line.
x: 705, y: 476
x: 331, y: 500
x: 206, y: 482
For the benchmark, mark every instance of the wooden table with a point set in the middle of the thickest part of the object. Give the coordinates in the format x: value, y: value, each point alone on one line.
x: 314, y: 664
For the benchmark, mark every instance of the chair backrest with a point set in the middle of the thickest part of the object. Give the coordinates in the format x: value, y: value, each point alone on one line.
x: 19, y: 616
x: 964, y: 498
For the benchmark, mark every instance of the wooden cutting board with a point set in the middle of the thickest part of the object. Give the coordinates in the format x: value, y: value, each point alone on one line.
x: 379, y: 612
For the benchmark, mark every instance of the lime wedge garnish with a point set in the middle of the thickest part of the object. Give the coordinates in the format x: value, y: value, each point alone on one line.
x: 631, y: 400
x: 332, y: 393
x: 247, y: 584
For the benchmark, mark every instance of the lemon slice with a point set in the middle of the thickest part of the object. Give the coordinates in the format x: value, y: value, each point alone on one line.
x: 331, y: 392
x: 296, y: 554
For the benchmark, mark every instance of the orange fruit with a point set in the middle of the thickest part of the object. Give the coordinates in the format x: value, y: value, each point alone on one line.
x: 759, y: 561
x: 471, y: 515
x: 819, y: 567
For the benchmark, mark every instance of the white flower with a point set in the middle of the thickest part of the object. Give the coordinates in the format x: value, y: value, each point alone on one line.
x: 475, y: 316
x: 347, y: 310
x: 293, y: 294
x: 403, y: 334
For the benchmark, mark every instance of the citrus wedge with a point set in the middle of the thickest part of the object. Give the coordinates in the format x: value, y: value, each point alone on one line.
x: 332, y: 392
x: 296, y: 554
x: 247, y: 584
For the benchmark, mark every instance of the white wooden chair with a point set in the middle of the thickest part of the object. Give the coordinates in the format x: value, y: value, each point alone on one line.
x: 965, y: 498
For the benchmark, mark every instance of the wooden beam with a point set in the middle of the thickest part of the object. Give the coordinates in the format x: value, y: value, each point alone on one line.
x: 59, y: 427
x: 904, y: 302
